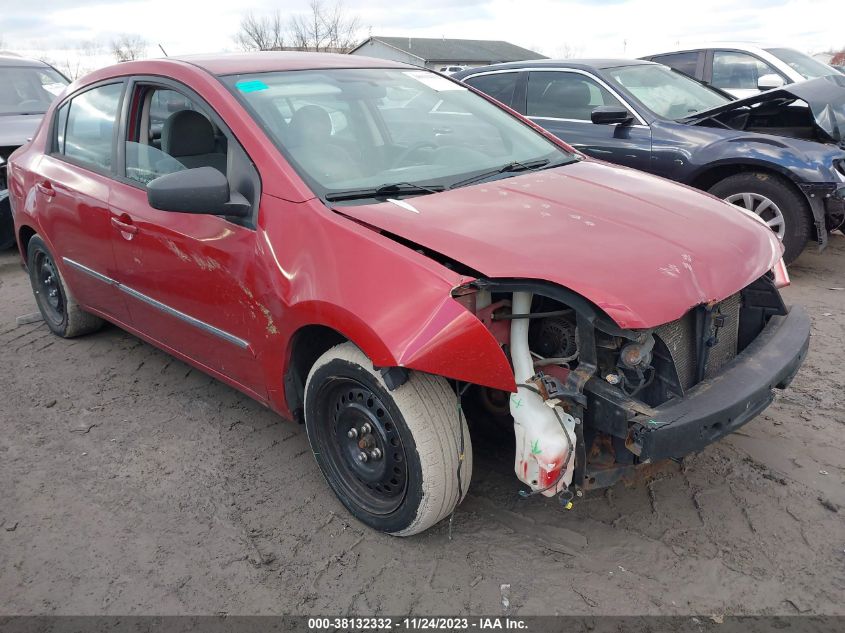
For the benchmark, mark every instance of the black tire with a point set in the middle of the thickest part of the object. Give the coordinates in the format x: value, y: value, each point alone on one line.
x: 7, y: 227
x: 60, y: 310
x: 797, y: 221
x: 413, y: 483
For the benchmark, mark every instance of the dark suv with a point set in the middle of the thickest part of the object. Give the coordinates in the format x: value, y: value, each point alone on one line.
x: 27, y: 88
x: 779, y: 154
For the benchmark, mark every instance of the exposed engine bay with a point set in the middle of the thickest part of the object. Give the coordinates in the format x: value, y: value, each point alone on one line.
x: 589, y: 394
x: 811, y: 110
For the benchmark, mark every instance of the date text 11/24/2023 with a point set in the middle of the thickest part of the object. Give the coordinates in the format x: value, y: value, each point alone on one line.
x: 416, y: 623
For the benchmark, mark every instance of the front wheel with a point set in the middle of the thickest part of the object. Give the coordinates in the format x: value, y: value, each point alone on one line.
x: 391, y: 457
x: 779, y: 205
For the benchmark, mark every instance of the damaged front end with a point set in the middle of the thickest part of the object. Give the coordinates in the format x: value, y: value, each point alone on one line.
x: 812, y: 110
x: 594, y: 402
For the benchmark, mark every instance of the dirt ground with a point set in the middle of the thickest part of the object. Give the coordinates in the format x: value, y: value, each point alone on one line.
x: 132, y: 484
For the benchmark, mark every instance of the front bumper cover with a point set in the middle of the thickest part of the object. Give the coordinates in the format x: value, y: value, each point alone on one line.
x: 720, y: 405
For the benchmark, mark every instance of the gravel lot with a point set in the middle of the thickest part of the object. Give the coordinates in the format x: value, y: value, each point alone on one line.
x: 132, y: 484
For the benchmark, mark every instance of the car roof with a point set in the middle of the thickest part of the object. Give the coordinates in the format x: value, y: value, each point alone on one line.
x: 750, y: 47
x: 578, y: 64
x: 269, y: 61
x: 10, y: 59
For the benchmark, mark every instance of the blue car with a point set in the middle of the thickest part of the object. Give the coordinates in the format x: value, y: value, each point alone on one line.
x: 779, y: 154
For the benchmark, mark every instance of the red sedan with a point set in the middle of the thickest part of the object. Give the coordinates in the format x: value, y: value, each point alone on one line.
x: 377, y: 251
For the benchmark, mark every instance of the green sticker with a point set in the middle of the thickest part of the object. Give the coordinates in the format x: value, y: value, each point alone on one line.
x: 535, y: 447
x: 251, y: 86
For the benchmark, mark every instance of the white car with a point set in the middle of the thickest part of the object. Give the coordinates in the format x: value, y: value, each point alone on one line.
x: 743, y: 69
x: 451, y: 70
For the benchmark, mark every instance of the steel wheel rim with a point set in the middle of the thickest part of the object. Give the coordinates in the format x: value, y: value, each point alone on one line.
x: 378, y: 484
x: 764, y: 208
x: 49, y: 289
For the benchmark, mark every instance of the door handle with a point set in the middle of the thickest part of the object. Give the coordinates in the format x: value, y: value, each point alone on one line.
x: 124, y: 227
x: 46, y: 188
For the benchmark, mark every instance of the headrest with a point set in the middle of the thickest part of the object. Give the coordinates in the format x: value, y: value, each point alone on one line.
x: 570, y: 93
x: 310, y: 122
x: 187, y: 133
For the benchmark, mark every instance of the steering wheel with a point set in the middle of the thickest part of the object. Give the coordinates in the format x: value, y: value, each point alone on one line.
x: 410, y: 151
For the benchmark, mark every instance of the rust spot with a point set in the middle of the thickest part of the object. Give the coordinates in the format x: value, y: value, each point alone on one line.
x: 245, y: 290
x: 271, y: 327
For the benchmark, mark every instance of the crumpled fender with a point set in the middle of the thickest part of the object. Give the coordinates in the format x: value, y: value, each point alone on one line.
x: 442, y: 338
x: 392, y: 301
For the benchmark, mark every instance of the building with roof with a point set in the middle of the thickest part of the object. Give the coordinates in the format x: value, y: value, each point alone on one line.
x: 436, y: 53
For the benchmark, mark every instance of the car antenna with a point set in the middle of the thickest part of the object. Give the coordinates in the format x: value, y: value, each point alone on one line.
x: 163, y: 51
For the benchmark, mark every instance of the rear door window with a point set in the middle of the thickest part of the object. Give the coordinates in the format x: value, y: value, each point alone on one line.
x: 85, y: 126
x: 565, y: 95
x: 686, y: 63
x: 500, y: 86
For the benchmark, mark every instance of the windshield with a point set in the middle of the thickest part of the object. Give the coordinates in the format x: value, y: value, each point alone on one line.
x: 804, y: 65
x: 669, y: 94
x: 347, y: 130
x: 28, y: 89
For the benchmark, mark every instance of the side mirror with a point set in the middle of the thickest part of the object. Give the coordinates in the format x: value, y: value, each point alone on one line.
x: 203, y: 190
x: 608, y: 115
x: 769, y: 82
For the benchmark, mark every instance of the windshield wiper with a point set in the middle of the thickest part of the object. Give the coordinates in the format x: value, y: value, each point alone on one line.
x: 514, y: 166
x: 385, y: 191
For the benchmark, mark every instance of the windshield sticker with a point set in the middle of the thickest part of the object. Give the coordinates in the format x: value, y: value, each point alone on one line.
x: 251, y: 86
x: 433, y: 81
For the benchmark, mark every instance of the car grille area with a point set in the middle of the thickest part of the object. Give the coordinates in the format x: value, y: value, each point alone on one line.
x: 679, y: 338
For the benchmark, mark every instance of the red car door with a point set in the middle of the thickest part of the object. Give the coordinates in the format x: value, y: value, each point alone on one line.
x: 72, y: 192
x: 191, y: 280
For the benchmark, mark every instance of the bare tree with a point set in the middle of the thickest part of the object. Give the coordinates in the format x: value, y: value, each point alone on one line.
x: 76, y: 60
x: 341, y: 30
x: 323, y: 28
x: 126, y: 47
x: 568, y: 51
x: 264, y: 33
x: 69, y: 66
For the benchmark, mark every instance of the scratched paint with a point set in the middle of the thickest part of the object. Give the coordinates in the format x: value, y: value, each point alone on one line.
x: 205, y: 263
x: 173, y: 248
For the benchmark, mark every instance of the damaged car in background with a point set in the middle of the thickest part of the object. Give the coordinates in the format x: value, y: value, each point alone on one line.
x: 380, y: 271
x: 779, y: 154
x: 27, y: 87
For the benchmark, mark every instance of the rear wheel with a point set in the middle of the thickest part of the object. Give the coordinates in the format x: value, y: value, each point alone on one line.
x: 777, y: 203
x: 59, y: 309
x: 391, y: 457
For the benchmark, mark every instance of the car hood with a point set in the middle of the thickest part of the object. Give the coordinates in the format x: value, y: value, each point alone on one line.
x: 825, y: 97
x: 642, y: 248
x: 16, y: 129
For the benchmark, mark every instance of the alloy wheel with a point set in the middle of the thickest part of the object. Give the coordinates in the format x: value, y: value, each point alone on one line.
x: 768, y: 211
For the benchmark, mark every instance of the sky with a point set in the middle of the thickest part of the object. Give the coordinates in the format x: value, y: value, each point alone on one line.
x: 555, y: 28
